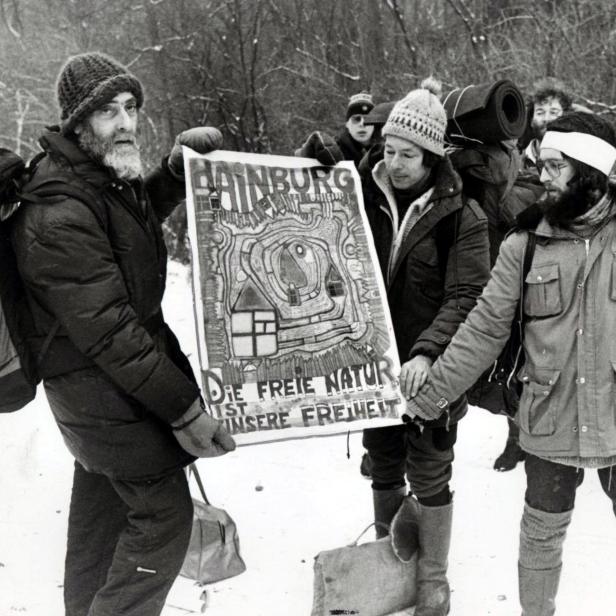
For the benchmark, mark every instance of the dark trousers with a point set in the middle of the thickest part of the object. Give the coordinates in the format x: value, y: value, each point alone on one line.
x: 424, y: 456
x: 551, y: 487
x: 126, y: 543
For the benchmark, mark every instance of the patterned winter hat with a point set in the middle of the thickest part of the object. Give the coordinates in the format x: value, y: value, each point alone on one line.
x: 359, y: 103
x: 89, y: 80
x: 420, y: 117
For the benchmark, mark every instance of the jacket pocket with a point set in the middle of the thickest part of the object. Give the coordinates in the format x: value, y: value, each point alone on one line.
x: 542, y: 296
x: 537, y: 412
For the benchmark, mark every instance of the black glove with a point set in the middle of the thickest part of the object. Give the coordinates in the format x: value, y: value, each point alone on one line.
x: 323, y: 147
x: 202, y: 139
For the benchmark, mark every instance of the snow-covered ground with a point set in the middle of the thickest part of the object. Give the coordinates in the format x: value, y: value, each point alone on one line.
x: 290, y: 500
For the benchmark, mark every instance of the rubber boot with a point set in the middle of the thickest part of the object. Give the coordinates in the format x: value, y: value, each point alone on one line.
x: 513, y: 453
x: 365, y: 468
x: 386, y: 503
x: 405, y: 529
x: 433, y: 593
x: 541, y: 544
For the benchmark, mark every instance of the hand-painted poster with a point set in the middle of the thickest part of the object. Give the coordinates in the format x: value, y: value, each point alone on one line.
x: 295, y: 337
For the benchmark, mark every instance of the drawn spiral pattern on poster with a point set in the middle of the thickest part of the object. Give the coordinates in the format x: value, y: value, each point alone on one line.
x: 295, y: 335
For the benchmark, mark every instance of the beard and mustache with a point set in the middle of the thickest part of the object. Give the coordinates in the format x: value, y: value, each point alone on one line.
x: 124, y: 158
x: 563, y: 208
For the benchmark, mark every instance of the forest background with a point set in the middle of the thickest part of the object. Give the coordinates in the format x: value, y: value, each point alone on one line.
x: 269, y: 72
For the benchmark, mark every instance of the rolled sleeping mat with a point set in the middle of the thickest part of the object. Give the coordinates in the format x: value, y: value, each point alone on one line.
x: 378, y: 115
x: 487, y: 112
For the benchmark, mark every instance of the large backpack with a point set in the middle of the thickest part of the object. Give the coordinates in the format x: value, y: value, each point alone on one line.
x: 18, y: 378
x: 18, y: 365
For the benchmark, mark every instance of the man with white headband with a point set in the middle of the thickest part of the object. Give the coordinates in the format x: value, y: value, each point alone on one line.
x: 566, y: 414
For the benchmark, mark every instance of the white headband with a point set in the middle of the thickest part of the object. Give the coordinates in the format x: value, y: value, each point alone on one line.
x: 586, y: 148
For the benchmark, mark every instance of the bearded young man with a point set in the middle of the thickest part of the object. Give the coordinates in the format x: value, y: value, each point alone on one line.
x: 93, y: 262
x: 566, y: 412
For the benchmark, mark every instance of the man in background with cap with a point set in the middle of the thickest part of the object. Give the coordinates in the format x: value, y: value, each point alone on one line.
x: 356, y: 137
x: 353, y: 141
x: 566, y: 412
x: 91, y: 254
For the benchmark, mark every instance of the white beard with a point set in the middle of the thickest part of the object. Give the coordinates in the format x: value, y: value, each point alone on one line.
x: 123, y: 158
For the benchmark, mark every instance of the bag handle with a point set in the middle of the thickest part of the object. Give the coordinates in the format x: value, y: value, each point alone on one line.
x: 363, y: 532
x: 192, y: 468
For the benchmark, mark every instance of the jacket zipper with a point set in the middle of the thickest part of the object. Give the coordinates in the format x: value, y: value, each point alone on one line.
x: 139, y: 215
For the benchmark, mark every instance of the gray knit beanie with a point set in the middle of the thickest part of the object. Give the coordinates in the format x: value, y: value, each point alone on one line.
x: 420, y: 118
x: 88, y: 81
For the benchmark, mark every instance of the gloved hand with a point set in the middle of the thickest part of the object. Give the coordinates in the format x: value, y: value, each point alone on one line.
x: 202, y: 435
x: 428, y: 404
x: 323, y: 147
x: 202, y: 139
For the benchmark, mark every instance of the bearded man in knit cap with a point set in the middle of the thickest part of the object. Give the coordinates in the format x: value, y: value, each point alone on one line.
x: 432, y: 246
x: 566, y: 412
x: 91, y: 254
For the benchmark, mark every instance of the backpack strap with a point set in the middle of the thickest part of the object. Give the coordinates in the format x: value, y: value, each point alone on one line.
x: 55, y: 188
x: 50, y: 191
x: 517, y: 328
x: 446, y: 236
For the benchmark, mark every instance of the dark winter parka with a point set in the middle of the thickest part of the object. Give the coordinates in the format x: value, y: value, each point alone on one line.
x: 114, y: 374
x: 442, y: 264
x: 351, y: 149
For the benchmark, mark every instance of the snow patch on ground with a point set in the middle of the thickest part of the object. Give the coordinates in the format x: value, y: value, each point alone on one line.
x: 312, y: 498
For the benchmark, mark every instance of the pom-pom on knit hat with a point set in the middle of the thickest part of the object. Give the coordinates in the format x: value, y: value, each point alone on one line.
x: 88, y: 81
x: 420, y: 117
x: 359, y: 103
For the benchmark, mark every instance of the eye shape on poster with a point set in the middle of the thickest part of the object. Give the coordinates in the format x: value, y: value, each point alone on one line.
x: 294, y: 333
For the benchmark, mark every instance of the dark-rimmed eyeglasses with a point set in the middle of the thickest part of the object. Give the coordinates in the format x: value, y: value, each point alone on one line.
x: 552, y: 167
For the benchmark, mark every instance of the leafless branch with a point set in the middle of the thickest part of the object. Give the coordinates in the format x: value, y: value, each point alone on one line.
x: 327, y: 65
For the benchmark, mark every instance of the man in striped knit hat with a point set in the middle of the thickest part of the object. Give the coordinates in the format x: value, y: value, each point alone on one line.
x: 566, y: 411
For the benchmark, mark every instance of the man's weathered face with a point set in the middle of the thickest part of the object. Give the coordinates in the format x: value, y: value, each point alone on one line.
x: 404, y: 162
x: 109, y: 135
x: 545, y: 111
x: 358, y: 130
